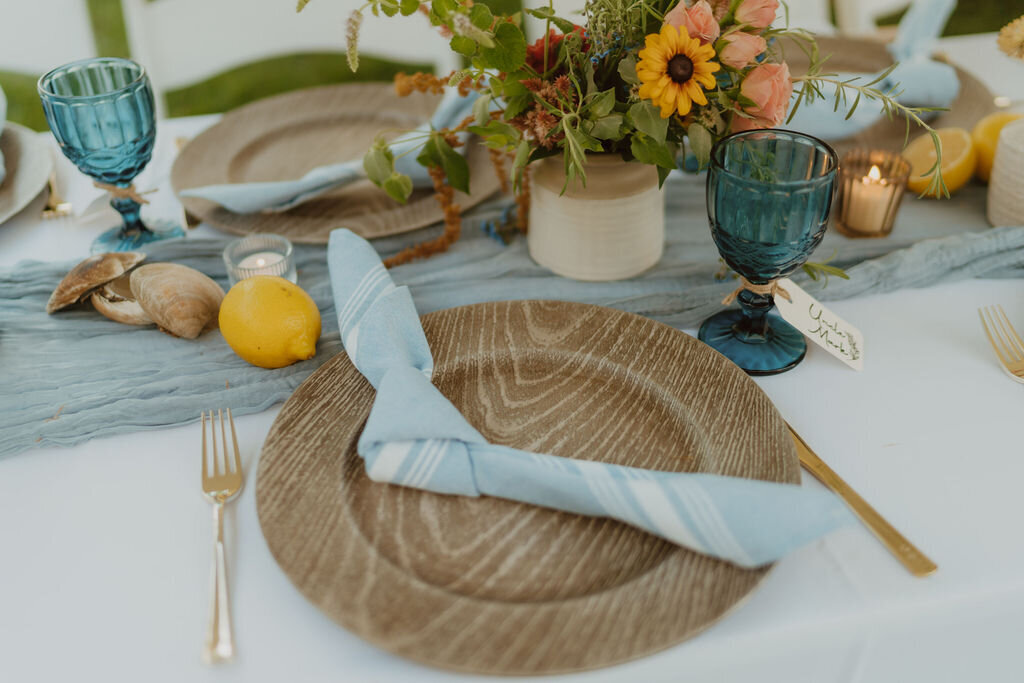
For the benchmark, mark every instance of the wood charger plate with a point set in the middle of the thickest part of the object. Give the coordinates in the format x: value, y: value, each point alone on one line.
x: 284, y: 137
x: 29, y: 164
x: 859, y: 55
x: 486, y: 585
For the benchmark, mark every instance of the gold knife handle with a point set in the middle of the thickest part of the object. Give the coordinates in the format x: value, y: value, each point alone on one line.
x: 905, y: 551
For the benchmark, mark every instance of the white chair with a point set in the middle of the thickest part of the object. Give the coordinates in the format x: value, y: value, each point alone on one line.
x: 184, y: 41
x: 33, y: 40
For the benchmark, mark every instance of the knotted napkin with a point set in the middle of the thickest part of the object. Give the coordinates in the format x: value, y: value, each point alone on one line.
x: 918, y: 80
x: 415, y: 437
x: 283, y: 195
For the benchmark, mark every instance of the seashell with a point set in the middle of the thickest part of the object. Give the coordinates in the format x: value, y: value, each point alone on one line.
x: 90, y: 274
x: 179, y: 299
x: 116, y: 301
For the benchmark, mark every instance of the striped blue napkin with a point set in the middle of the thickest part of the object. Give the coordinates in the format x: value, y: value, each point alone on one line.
x: 285, y: 194
x: 416, y: 437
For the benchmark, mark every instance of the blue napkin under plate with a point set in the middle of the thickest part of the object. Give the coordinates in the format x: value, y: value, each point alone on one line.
x: 415, y: 437
x: 3, y: 119
x: 283, y: 195
x: 919, y: 80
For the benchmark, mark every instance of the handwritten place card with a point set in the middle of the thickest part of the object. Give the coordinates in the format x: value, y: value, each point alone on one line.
x: 820, y: 325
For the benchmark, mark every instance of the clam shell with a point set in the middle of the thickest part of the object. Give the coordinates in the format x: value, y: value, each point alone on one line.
x: 116, y: 301
x: 177, y: 298
x: 90, y: 274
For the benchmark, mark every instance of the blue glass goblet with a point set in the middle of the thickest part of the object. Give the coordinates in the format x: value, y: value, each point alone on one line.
x: 769, y: 193
x: 101, y: 112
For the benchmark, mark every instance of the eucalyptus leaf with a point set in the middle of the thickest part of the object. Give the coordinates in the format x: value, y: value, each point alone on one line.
x: 398, y: 187
x: 463, y: 45
x: 700, y: 142
x: 548, y: 14
x: 627, y: 70
x: 409, y: 7
x: 608, y: 127
x: 379, y: 163
x: 602, y: 103
x: 509, y: 51
x: 482, y: 110
x: 481, y: 17
x: 646, y: 118
x: 647, y: 150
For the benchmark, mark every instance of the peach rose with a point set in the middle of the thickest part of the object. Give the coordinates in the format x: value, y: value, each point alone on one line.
x: 741, y: 49
x: 699, y: 20
x: 770, y: 88
x: 757, y: 13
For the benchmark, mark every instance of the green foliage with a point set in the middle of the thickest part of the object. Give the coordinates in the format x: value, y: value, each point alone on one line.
x: 509, y: 51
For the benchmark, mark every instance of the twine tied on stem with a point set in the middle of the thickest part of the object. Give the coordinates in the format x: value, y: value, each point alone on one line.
x: 771, y: 289
x: 118, y: 192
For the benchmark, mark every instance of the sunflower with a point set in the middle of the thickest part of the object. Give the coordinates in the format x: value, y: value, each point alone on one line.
x: 675, y: 70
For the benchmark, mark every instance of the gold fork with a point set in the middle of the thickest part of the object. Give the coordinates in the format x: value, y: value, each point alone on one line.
x: 1004, y: 339
x: 56, y: 206
x: 219, y: 484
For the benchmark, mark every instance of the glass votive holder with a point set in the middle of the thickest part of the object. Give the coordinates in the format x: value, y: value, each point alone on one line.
x: 260, y: 254
x: 871, y: 187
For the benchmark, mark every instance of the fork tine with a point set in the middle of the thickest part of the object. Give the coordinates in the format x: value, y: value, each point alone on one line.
x: 224, y: 441
x: 989, y: 326
x: 1001, y: 333
x: 1015, y: 340
x: 234, y: 442
x: 202, y: 420
x: 213, y: 440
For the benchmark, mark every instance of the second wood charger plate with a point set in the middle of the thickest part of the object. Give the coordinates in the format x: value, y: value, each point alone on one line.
x: 491, y: 586
x: 285, y: 136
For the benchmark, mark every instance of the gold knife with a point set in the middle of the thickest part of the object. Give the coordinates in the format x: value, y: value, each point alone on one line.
x: 913, y: 559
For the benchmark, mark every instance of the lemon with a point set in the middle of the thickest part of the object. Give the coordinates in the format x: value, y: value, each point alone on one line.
x: 986, y: 138
x: 269, y: 321
x: 958, y: 160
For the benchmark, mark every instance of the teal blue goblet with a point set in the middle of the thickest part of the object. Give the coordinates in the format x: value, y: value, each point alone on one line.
x: 101, y: 112
x: 769, y: 193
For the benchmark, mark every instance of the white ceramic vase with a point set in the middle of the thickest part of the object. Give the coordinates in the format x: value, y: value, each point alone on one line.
x: 611, y: 229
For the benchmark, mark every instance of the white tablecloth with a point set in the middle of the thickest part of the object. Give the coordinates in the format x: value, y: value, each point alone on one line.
x: 105, y: 548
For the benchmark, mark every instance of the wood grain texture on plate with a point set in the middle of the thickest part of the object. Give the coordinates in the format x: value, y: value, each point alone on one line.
x: 286, y: 136
x: 492, y: 586
x: 859, y: 55
x: 28, y: 162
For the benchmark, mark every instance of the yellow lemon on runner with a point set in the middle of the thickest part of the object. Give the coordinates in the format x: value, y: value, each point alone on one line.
x: 986, y: 138
x: 959, y: 160
x: 269, y: 321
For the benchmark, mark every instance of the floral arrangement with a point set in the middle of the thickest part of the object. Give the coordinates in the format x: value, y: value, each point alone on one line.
x: 643, y: 79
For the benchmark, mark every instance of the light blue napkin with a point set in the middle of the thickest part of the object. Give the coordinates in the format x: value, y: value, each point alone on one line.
x: 920, y: 81
x: 283, y: 195
x: 3, y: 119
x: 415, y: 437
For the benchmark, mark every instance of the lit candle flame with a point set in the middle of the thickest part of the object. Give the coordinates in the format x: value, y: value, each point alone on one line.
x: 874, y: 173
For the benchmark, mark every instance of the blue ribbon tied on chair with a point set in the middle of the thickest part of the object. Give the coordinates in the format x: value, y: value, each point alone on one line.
x: 415, y: 437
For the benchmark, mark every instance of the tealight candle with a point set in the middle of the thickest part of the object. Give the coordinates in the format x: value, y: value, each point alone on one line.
x: 260, y: 260
x: 261, y: 254
x: 871, y: 186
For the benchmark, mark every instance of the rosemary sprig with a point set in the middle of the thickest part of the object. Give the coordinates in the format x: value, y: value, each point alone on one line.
x: 814, y: 83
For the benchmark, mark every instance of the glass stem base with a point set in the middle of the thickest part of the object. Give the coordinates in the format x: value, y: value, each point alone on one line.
x: 123, y: 238
x: 776, y: 347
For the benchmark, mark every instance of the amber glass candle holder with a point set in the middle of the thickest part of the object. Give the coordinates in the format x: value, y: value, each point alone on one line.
x: 871, y: 187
